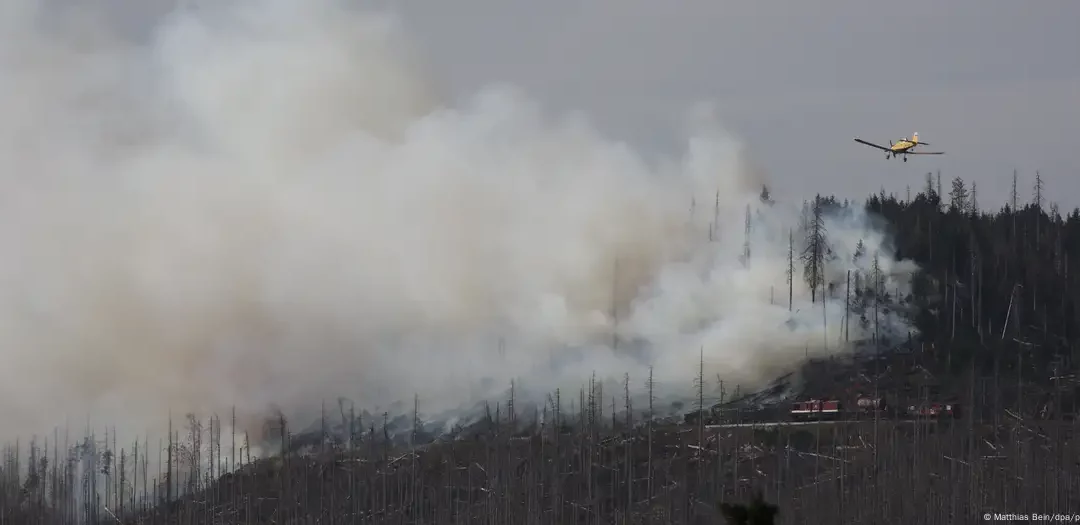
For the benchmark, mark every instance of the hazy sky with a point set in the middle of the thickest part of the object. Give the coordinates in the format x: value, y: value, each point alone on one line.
x: 995, y: 83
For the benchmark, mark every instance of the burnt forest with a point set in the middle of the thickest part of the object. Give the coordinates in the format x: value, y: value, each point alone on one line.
x: 972, y: 414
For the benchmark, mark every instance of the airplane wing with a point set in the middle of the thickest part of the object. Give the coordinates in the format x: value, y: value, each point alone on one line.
x: 871, y: 144
x: 924, y: 153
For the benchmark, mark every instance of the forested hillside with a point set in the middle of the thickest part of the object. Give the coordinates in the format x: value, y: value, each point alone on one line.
x: 997, y: 314
x: 1004, y: 282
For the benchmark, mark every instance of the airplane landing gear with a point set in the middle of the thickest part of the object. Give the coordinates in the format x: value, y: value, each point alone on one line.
x: 905, y: 158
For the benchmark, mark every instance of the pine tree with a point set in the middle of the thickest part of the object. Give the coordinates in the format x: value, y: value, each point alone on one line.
x: 1038, y: 202
x: 816, y: 247
x: 939, y: 184
x: 876, y: 278
x: 958, y: 197
x: 791, y: 269
x: 1013, y: 196
x: 974, y: 201
x: 1038, y: 192
x: 1013, y: 203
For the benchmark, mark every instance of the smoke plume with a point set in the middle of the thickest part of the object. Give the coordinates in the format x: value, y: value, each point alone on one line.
x: 267, y: 204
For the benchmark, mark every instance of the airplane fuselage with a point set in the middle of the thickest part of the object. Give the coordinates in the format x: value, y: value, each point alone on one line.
x: 902, y: 146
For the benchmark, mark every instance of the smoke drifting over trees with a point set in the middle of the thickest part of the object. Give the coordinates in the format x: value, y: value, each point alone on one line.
x: 267, y: 204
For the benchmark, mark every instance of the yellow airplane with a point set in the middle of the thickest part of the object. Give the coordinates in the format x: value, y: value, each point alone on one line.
x: 904, y: 146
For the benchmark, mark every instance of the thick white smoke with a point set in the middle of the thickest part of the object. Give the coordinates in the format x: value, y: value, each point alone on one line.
x: 267, y: 204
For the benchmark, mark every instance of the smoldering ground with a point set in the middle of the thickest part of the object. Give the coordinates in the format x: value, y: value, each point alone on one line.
x: 269, y: 204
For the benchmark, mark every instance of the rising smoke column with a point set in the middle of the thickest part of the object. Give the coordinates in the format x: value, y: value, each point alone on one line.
x: 267, y: 204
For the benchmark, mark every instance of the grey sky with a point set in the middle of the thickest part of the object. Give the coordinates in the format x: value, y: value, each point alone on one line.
x: 995, y: 83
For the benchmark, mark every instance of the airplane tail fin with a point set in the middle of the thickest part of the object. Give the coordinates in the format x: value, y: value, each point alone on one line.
x: 915, y: 137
